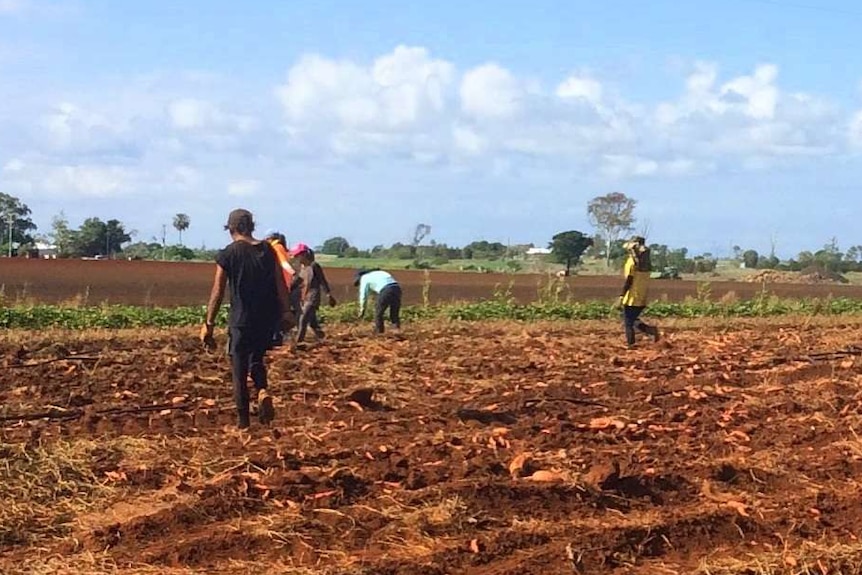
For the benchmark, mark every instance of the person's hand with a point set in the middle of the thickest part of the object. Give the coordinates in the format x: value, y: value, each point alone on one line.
x: 618, y: 303
x: 206, y: 337
x: 332, y: 302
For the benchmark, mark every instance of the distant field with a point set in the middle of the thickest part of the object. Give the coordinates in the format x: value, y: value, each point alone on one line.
x: 475, y: 265
x: 177, y: 283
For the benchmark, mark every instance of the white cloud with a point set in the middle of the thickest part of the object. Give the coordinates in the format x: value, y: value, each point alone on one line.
x: 184, y: 177
x: 94, y: 180
x: 401, y: 106
x: 582, y: 87
x: 189, y: 114
x: 490, y: 91
x: 69, y: 125
x: 243, y: 188
x: 81, y: 180
x: 758, y: 91
x: 621, y: 166
x: 194, y: 114
x: 855, y: 130
x: 755, y: 96
x: 14, y: 165
x: 398, y: 91
x: 12, y: 6
x: 746, y: 116
x: 466, y: 140
x: 408, y: 106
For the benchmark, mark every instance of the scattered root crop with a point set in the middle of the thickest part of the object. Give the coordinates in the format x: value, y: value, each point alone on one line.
x: 488, y: 448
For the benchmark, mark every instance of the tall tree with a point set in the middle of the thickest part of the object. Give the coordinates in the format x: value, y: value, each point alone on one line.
x: 90, y: 238
x: 62, y: 236
x: 115, y: 236
x: 181, y: 224
x: 568, y: 247
x: 14, y: 217
x: 419, y: 234
x: 96, y: 237
x: 612, y: 215
x: 335, y: 246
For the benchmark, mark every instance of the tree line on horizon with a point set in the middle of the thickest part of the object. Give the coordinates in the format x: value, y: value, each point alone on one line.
x: 611, y: 215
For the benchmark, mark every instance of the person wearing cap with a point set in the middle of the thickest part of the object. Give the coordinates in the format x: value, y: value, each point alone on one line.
x: 291, y: 279
x: 635, y: 290
x: 313, y: 283
x: 258, y: 304
x: 388, y: 296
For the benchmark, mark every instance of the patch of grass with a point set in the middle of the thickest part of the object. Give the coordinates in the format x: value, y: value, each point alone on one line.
x: 808, y: 558
x: 502, y: 306
x: 45, y: 487
x: 420, y: 531
x: 501, y: 265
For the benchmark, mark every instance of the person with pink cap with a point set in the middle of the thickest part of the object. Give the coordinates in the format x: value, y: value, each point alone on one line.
x: 313, y: 283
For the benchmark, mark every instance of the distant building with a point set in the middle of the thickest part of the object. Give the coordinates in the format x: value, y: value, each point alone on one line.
x: 538, y: 252
x: 46, y: 251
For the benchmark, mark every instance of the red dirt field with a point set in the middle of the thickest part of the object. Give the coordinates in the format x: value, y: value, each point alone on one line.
x: 174, y: 283
x: 452, y: 448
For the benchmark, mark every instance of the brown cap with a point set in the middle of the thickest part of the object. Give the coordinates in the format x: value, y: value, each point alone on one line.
x: 240, y: 219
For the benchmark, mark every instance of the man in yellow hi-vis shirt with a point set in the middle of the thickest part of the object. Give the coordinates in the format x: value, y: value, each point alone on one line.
x: 634, y: 295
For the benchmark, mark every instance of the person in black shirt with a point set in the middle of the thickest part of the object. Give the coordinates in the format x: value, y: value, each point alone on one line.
x: 258, y: 305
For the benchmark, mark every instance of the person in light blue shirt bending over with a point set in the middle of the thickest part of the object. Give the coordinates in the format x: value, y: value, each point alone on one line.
x: 388, y: 296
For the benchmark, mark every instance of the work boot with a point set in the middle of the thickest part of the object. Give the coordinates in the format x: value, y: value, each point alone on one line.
x: 265, y: 409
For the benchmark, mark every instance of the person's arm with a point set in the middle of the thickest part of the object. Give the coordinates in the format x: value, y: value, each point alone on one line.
x: 283, y: 291
x: 213, y: 306
x: 363, y: 293
x: 286, y: 269
x: 325, y: 285
x: 307, y: 275
x: 627, y: 285
x: 630, y: 278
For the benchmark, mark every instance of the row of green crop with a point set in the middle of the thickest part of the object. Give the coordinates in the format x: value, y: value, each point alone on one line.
x: 116, y: 316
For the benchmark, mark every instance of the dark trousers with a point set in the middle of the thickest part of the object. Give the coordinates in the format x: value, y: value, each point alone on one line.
x: 388, y: 298
x: 632, y: 322
x: 247, y: 350
x: 296, y: 309
x: 308, y: 318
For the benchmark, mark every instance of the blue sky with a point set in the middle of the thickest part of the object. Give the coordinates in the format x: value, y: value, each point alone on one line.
x: 733, y: 122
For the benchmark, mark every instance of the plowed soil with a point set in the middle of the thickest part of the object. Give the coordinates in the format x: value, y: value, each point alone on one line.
x: 184, y: 283
x: 450, y: 448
